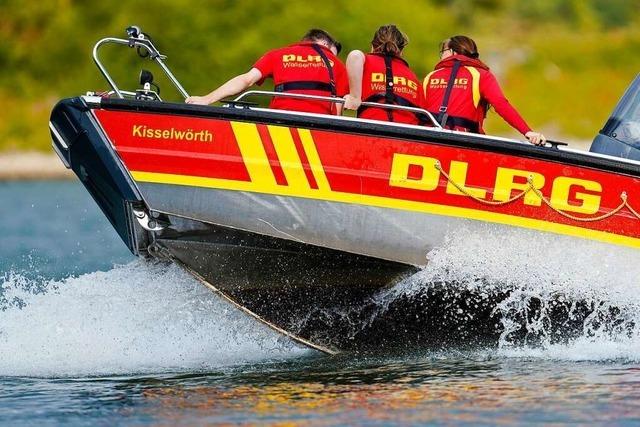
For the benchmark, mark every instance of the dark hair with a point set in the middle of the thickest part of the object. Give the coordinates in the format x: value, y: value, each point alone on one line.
x: 462, y: 45
x: 316, y: 34
x: 389, y: 40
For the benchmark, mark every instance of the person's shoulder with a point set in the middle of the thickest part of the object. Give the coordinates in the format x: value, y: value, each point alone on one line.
x: 475, y: 63
x: 373, y: 60
x: 412, y: 73
x: 403, y: 63
x: 334, y: 58
x: 301, y: 46
x: 368, y: 56
x: 486, y: 74
x: 278, y: 50
x: 271, y: 53
x: 337, y: 64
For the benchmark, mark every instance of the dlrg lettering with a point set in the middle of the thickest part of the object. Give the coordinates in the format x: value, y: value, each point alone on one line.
x: 303, y: 59
x: 397, y: 80
x: 567, y: 193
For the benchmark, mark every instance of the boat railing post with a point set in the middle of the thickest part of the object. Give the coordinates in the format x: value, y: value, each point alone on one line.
x: 159, y: 58
x: 101, y: 67
x: 403, y: 108
x: 139, y: 41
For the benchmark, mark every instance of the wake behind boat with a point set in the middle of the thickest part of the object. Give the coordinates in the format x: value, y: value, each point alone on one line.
x: 299, y: 217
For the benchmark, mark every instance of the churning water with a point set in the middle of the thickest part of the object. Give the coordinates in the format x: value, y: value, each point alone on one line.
x: 135, y: 318
x: 552, y: 290
x: 89, y: 335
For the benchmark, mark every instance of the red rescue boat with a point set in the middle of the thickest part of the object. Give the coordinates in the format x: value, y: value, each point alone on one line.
x: 294, y: 215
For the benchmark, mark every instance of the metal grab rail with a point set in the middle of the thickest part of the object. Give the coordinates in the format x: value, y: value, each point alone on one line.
x: 336, y: 101
x: 138, y: 41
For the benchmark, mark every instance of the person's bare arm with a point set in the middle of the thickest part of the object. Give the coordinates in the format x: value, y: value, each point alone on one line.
x: 491, y: 91
x: 355, y: 67
x: 230, y: 88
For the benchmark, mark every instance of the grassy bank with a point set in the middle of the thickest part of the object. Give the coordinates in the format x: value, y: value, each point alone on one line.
x: 562, y: 63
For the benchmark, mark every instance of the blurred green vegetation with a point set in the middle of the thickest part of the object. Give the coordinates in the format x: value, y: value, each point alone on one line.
x: 562, y: 63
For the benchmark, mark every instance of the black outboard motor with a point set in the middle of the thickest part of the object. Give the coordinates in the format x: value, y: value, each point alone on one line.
x: 620, y: 136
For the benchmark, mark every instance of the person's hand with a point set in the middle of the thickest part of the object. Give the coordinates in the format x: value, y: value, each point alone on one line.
x: 351, y: 102
x: 536, y: 138
x: 198, y: 100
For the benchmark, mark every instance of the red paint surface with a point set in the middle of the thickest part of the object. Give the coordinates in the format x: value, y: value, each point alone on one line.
x: 371, y: 157
x: 360, y: 164
x: 220, y: 158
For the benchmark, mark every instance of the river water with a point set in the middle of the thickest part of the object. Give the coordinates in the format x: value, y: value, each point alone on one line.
x: 91, y: 336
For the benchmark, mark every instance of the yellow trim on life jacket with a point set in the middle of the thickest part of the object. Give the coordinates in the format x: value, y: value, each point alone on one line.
x: 425, y: 83
x: 475, y: 85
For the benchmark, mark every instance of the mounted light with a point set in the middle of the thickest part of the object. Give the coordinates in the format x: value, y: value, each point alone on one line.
x: 133, y: 31
x: 145, y: 77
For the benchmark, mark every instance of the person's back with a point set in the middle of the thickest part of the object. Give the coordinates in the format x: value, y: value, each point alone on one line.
x: 382, y: 76
x: 461, y: 88
x: 304, y: 68
x: 466, y: 108
x: 406, y: 89
x: 309, y: 67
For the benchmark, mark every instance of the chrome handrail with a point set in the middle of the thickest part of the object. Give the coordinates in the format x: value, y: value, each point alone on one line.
x: 139, y: 41
x: 336, y: 100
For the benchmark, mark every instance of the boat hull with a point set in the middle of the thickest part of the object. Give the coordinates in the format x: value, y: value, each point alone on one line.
x: 352, y: 177
x: 293, y: 286
x: 304, y: 220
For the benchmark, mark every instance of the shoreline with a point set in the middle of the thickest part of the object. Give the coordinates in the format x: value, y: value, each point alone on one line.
x: 32, y: 166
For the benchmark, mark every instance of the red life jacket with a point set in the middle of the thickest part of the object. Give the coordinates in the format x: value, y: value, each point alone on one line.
x: 389, y: 80
x: 474, y: 88
x: 306, y: 68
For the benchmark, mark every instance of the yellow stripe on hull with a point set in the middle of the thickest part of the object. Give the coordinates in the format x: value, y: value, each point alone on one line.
x: 289, y: 158
x: 384, y: 202
x: 314, y: 159
x: 252, y: 149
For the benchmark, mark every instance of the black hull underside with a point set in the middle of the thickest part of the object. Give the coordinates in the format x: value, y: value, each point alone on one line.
x: 294, y: 286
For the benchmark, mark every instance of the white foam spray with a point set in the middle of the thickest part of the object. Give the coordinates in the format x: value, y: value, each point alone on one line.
x: 547, y: 268
x: 135, y: 318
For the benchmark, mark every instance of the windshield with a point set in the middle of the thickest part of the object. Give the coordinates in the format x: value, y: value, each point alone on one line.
x: 624, y: 124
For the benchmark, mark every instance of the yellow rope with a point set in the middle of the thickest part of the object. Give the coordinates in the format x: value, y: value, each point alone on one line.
x: 578, y: 218
x: 546, y: 201
x: 477, y: 199
x: 633, y: 211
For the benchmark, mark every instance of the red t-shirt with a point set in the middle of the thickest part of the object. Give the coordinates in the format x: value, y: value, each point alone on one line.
x: 301, y: 62
x: 405, y: 85
x: 475, y: 86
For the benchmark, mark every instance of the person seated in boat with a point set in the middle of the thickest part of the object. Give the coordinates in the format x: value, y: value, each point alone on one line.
x: 383, y: 76
x: 309, y: 67
x: 461, y: 89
